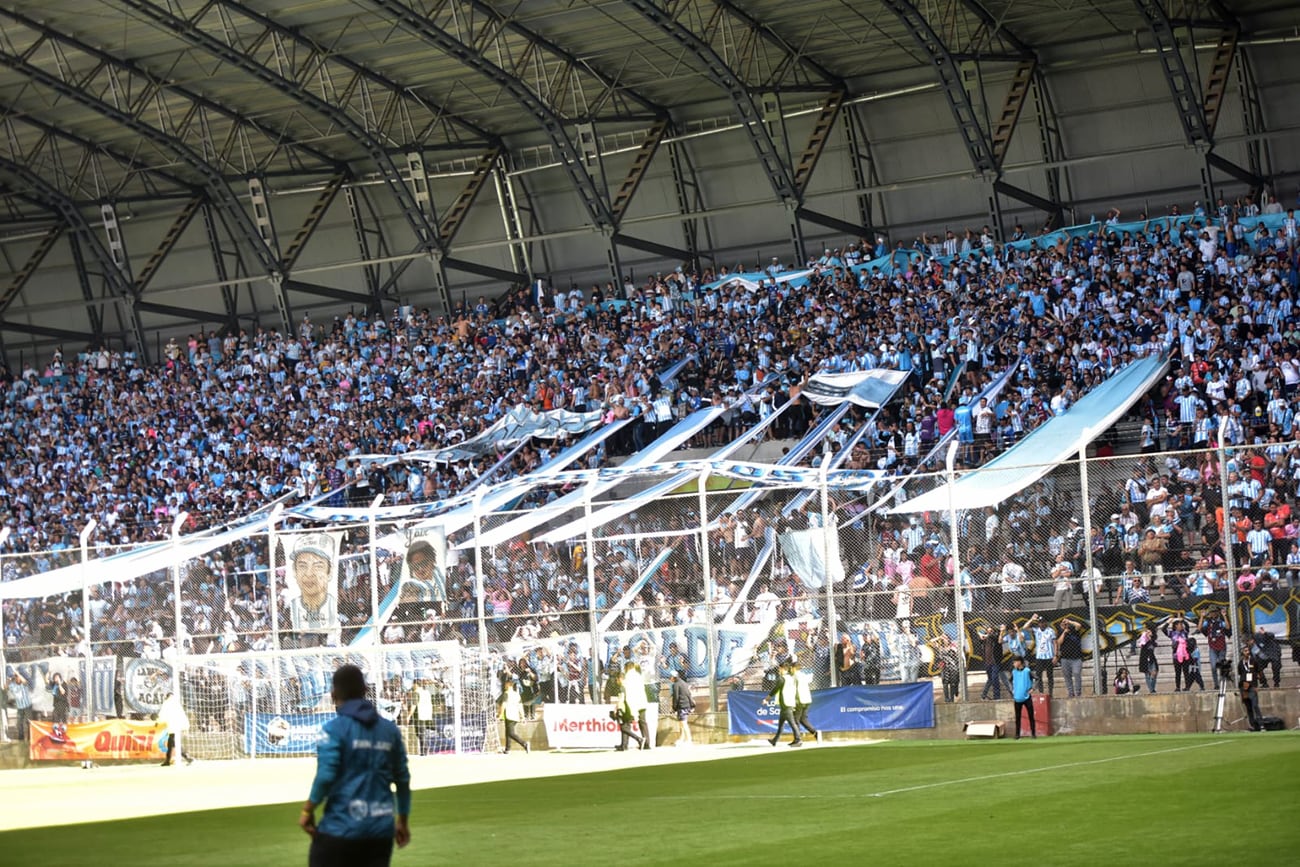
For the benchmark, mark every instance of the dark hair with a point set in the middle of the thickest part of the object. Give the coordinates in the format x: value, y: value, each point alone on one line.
x: 349, y: 683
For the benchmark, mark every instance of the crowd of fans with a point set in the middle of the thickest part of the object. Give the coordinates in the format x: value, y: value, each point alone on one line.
x: 225, y: 424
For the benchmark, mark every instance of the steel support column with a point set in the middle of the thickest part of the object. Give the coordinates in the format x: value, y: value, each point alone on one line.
x: 862, y: 164
x: 690, y: 201
x: 229, y: 292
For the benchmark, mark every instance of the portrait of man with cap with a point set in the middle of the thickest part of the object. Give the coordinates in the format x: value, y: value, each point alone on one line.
x: 311, y: 562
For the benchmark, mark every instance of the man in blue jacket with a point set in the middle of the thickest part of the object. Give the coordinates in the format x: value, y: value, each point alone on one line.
x: 359, y: 758
x: 1022, y: 685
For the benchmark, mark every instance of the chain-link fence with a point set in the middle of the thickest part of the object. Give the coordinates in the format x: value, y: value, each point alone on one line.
x: 714, y: 572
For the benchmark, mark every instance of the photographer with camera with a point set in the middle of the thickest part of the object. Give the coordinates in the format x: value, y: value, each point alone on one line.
x: 1217, y: 632
x: 1069, y: 649
x: 1248, y: 689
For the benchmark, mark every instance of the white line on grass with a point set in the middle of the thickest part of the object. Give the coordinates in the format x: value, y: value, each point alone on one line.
x: 978, y: 779
x: 1043, y: 769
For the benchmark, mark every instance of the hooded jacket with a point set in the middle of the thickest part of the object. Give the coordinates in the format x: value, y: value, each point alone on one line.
x: 359, y: 758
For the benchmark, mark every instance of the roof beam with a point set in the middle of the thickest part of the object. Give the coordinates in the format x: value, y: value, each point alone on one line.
x: 213, y: 183
x: 46, y: 331
x: 320, y: 57
x: 369, y: 138
x: 1053, y: 209
x: 995, y: 25
x: 612, y: 88
x: 131, y: 167
x: 511, y: 277
x: 365, y: 133
x: 793, y: 57
x: 1183, y: 87
x: 83, y: 236
x: 973, y: 135
x: 830, y: 222
x: 722, y: 75
x: 327, y: 292
x: 34, y: 260
x: 1233, y: 170
x: 658, y: 249
x: 188, y: 314
x: 428, y: 29
x: 151, y: 83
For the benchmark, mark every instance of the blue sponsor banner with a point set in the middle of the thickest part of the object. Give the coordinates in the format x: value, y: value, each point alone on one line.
x: 844, y: 709
x: 283, y: 734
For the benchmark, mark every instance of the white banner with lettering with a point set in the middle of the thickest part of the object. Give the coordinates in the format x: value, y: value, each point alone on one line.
x: 587, y: 726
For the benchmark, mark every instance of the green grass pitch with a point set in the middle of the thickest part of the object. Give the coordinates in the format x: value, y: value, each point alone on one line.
x: 1194, y: 799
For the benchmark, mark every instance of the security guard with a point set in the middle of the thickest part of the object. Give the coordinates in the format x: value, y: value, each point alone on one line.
x: 786, y: 692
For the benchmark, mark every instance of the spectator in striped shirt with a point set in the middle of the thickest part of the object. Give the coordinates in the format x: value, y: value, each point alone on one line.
x: 1203, y: 580
x: 1135, y: 591
x: 1259, y: 541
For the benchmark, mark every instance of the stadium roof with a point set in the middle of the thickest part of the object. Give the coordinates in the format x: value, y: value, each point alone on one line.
x: 256, y: 87
x: 143, y: 100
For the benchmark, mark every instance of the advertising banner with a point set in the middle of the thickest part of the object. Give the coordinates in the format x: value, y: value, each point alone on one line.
x: 586, y: 726
x: 283, y: 734
x: 844, y: 709
x: 108, y: 739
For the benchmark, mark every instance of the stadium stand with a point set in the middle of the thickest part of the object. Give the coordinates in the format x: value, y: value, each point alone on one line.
x: 299, y: 414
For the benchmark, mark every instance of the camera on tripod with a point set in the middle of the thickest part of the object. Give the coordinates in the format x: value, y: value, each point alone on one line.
x: 1225, y: 669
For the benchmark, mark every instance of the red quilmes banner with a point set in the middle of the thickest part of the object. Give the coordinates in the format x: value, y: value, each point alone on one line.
x: 107, y: 739
x: 586, y: 726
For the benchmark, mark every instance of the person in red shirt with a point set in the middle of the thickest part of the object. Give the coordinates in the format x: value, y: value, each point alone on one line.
x: 1258, y: 465
x: 945, y: 418
x: 1275, y: 521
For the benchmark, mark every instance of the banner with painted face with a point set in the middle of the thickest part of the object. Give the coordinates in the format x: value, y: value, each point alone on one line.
x: 312, y: 592
x: 424, y: 567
